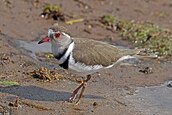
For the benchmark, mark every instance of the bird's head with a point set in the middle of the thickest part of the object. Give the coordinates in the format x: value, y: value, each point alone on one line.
x: 54, y: 35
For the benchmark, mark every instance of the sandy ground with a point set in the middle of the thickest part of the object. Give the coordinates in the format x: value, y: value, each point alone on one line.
x: 106, y: 91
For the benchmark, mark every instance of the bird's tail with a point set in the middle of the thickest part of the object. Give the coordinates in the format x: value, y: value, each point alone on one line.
x: 138, y: 53
x: 131, y: 52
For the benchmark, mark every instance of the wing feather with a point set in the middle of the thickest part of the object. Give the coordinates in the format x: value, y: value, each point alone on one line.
x: 92, y: 52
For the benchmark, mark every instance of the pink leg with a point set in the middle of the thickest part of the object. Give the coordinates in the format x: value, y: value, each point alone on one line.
x: 81, y: 94
x: 74, y: 94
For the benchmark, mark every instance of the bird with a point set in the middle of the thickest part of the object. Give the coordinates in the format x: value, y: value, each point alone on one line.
x: 84, y: 55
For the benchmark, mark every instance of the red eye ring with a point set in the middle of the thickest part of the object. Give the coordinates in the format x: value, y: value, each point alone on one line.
x: 57, y: 34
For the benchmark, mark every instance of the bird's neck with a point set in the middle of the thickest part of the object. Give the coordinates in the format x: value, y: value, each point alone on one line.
x: 59, y: 48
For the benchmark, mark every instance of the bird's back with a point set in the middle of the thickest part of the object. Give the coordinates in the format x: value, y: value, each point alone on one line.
x: 92, y: 52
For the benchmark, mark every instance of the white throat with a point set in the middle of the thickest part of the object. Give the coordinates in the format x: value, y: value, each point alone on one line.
x: 61, y: 44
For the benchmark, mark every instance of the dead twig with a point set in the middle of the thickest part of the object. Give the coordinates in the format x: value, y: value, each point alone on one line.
x: 40, y: 107
x: 122, y: 103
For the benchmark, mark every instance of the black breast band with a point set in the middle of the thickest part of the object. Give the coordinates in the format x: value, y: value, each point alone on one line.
x: 65, y: 64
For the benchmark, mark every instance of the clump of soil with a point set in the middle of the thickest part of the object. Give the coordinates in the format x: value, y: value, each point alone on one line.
x: 18, y: 102
x: 15, y: 103
x: 45, y: 74
x: 50, y: 75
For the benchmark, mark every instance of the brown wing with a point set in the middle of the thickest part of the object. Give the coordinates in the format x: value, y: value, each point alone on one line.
x: 92, y: 52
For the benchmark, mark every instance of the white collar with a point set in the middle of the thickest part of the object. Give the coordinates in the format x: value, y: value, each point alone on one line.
x: 68, y: 52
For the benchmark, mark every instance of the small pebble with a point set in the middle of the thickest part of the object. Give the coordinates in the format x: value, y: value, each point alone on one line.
x: 95, y: 104
x: 146, y: 70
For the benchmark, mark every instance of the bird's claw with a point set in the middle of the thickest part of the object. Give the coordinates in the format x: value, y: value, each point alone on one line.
x: 72, y: 98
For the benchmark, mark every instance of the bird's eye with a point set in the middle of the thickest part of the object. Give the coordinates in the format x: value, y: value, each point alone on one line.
x: 57, y: 34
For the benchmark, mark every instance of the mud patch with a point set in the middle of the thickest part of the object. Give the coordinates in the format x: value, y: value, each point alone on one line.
x: 40, y: 94
x: 155, y: 100
x: 40, y: 53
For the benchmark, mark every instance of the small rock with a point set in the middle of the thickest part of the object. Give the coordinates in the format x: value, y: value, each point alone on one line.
x: 146, y: 70
x: 95, y: 104
x: 87, y: 31
x: 89, y: 26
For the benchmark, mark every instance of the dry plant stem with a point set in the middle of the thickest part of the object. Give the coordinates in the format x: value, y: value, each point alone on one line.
x: 30, y: 104
x: 83, y: 85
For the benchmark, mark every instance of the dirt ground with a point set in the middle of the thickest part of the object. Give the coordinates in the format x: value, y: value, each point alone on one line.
x: 106, y: 91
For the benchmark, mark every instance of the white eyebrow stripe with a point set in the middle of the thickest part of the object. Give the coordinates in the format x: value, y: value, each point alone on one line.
x: 50, y: 32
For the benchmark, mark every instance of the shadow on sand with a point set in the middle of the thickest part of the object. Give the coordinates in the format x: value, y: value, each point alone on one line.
x: 40, y: 94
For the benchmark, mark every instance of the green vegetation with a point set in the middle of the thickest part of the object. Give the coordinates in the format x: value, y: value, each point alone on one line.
x: 8, y: 83
x: 143, y: 35
x: 52, y: 11
x: 108, y: 20
x: 49, y: 55
x: 48, y: 8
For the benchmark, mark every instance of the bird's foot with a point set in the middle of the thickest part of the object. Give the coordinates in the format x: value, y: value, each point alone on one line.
x: 74, y: 94
x: 72, y: 98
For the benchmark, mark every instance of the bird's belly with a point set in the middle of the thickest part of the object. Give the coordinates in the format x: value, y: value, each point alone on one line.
x: 81, y: 67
